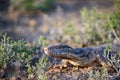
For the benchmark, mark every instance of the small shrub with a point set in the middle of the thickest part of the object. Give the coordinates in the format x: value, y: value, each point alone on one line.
x: 46, y: 5
x: 113, y: 20
x: 114, y: 59
x: 32, y: 5
x: 69, y: 30
x: 42, y: 64
x: 94, y: 26
x: 19, y: 51
x: 12, y: 51
x: 97, y: 28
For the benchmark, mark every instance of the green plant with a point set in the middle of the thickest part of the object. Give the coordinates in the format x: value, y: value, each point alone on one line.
x: 22, y: 52
x: 99, y: 27
x: 46, y: 5
x: 42, y: 41
x: 69, y: 29
x: 114, y: 59
x: 39, y: 69
x: 113, y: 20
x: 94, y: 25
x: 23, y: 5
x: 13, y: 51
x: 28, y: 5
x: 32, y: 5
x: 42, y: 64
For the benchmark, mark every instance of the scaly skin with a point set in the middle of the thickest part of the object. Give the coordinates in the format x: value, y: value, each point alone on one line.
x: 83, y: 56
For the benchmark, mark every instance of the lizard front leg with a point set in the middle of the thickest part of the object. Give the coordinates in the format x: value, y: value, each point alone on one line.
x: 105, y: 63
x: 64, y: 64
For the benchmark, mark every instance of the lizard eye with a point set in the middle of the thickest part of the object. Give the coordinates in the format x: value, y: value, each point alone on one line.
x: 59, y: 47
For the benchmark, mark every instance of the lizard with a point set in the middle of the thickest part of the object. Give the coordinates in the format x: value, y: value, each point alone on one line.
x: 84, y: 57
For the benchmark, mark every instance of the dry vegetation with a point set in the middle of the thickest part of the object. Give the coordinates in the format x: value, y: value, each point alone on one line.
x: 21, y: 60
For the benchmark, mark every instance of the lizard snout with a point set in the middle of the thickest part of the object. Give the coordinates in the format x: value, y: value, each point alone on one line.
x: 46, y: 50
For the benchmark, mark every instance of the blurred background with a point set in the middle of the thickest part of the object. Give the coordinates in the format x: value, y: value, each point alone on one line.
x: 76, y: 22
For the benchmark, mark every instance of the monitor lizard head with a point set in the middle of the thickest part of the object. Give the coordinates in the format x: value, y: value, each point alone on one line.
x: 60, y: 51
